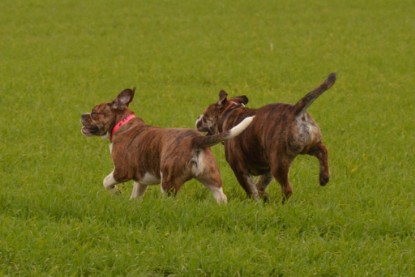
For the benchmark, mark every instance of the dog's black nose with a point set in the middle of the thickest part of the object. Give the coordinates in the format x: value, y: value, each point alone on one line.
x: 84, y: 118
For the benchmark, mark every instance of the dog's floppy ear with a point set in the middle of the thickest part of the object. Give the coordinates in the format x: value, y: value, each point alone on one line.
x: 123, y: 99
x: 243, y: 99
x: 222, y: 98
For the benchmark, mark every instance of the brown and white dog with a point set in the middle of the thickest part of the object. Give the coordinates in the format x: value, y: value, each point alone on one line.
x: 151, y: 155
x: 278, y: 133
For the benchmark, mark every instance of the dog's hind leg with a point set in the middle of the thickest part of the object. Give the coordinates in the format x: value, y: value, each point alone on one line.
x: 206, y: 171
x: 320, y: 152
x: 170, y: 185
x: 214, y: 183
x: 217, y: 192
x: 138, y: 190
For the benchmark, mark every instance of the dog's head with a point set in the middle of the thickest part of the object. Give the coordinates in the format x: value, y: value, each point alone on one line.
x: 209, y: 121
x: 104, y: 116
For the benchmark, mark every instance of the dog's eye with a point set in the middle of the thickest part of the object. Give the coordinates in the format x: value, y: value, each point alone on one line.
x: 95, y: 115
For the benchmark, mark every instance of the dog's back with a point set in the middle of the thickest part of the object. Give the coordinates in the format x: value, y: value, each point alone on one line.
x: 267, y: 135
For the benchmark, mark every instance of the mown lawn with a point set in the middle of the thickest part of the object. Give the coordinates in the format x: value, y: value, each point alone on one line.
x: 59, y: 58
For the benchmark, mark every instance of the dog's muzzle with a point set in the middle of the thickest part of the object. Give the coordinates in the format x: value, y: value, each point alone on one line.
x: 201, y: 126
x: 199, y: 122
x: 88, y: 127
x: 86, y: 119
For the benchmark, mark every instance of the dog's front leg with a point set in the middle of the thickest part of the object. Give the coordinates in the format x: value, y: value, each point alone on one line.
x: 138, y: 190
x: 110, y: 184
x: 262, y: 185
x: 247, y: 184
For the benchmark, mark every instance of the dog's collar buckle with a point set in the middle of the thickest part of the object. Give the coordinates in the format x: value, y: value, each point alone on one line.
x: 121, y: 123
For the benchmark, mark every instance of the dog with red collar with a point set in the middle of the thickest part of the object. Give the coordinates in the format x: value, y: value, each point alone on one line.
x: 278, y: 133
x: 151, y: 155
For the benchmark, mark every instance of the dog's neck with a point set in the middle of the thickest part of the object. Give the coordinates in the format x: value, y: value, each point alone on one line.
x: 227, y: 112
x: 121, y: 123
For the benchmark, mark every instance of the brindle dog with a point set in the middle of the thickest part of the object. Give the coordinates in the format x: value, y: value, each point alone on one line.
x: 151, y: 155
x: 267, y: 148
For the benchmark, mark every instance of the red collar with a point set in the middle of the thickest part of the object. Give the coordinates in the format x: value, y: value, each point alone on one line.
x: 121, y: 123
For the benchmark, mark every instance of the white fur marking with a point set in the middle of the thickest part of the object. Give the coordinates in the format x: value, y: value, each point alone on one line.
x: 252, y: 186
x: 134, y: 192
x: 306, y: 129
x: 106, y: 136
x: 161, y: 184
x: 149, y: 179
x: 199, y: 119
x: 199, y: 164
x: 218, y: 194
x: 110, y: 183
x: 138, y: 190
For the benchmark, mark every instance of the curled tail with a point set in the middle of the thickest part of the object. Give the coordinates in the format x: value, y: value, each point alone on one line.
x: 309, y: 98
x: 207, y: 141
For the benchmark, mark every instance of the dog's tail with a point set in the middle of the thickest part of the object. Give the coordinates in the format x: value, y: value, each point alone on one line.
x: 207, y: 141
x: 309, y: 98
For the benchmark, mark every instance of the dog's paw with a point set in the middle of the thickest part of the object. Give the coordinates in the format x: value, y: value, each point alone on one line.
x: 263, y: 195
x: 265, y: 198
x: 115, y: 190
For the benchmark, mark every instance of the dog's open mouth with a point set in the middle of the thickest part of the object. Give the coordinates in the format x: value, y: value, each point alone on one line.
x: 208, y: 131
x: 90, y: 130
x: 88, y: 126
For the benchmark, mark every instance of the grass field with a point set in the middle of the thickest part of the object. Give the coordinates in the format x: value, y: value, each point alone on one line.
x: 59, y: 58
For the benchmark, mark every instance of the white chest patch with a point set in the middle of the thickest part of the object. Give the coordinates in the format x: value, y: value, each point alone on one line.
x: 149, y: 179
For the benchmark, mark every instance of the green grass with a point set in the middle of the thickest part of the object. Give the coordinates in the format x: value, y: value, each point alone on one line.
x: 59, y: 58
